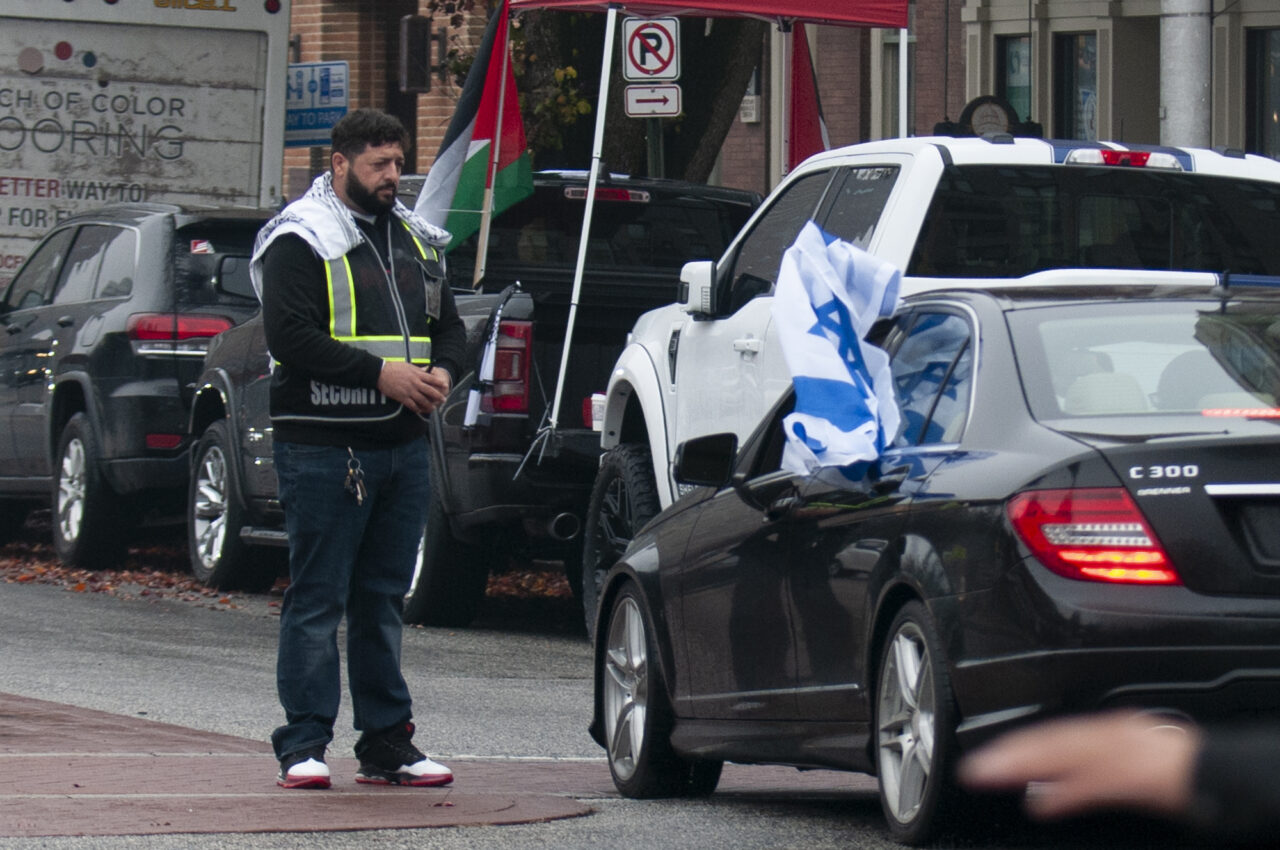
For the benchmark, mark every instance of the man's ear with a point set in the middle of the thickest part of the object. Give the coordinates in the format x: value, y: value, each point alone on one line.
x: 338, y: 164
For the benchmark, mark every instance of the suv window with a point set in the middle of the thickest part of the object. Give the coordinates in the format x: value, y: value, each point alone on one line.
x: 115, y: 278
x: 204, y: 253
x: 34, y: 284
x: 80, y: 271
x: 1009, y: 221
x: 755, y: 268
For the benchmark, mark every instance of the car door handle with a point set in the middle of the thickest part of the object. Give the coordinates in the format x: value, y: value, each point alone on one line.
x: 65, y: 321
x: 891, y: 479
x: 750, y: 345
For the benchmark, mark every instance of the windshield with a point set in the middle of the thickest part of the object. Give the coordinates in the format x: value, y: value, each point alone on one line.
x: 1010, y: 221
x: 1149, y: 359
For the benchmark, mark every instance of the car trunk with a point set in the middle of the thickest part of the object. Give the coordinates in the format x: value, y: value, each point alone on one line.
x: 1212, y: 497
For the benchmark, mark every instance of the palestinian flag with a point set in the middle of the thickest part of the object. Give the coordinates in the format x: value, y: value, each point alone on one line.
x: 453, y: 194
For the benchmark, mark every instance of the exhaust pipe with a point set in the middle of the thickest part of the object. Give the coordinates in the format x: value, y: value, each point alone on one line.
x: 564, y: 526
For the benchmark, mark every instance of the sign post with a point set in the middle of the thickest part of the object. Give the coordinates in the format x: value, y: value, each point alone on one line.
x: 651, y: 54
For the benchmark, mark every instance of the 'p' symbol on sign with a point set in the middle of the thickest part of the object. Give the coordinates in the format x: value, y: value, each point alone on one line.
x: 651, y: 49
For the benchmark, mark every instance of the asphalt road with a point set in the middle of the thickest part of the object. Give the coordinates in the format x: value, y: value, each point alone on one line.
x: 517, y: 687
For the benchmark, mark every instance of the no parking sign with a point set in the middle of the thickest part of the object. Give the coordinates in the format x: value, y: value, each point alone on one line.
x: 651, y: 49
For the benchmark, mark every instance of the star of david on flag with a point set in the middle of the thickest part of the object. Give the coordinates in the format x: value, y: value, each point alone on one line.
x: 829, y: 294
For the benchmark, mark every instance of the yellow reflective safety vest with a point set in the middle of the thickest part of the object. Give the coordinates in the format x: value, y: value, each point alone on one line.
x: 343, y: 326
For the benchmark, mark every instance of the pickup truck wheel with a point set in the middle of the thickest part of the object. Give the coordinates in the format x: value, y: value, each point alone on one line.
x: 623, y: 498
x: 88, y: 523
x: 450, y: 577
x: 215, y: 515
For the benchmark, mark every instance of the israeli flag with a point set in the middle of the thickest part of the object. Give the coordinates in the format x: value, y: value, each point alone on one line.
x: 828, y: 296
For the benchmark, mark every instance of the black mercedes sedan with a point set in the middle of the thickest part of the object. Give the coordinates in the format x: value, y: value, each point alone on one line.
x: 1081, y: 510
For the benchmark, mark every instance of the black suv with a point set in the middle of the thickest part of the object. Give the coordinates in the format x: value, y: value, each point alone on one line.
x: 105, y: 331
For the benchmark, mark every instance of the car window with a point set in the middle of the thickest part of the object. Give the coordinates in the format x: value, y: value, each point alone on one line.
x: 1148, y: 359
x: 34, y: 283
x: 858, y: 204
x: 1009, y: 221
x: 202, y: 254
x: 931, y: 379
x: 80, y: 271
x: 755, y: 268
x: 115, y: 278
x: 632, y: 230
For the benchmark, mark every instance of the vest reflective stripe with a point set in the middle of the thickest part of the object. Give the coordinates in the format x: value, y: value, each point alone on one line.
x: 342, y: 315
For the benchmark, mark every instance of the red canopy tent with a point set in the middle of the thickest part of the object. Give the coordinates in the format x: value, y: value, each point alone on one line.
x: 867, y: 13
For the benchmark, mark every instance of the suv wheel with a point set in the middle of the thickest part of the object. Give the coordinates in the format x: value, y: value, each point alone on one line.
x: 450, y: 577
x: 88, y: 521
x: 215, y: 515
x: 623, y: 498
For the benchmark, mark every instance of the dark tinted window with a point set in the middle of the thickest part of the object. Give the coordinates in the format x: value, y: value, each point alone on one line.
x: 755, y: 268
x: 857, y: 205
x: 1145, y: 358
x: 931, y: 376
x: 198, y: 253
x: 1009, y: 221
x: 80, y: 271
x: 631, y: 230
x: 115, y: 277
x: 34, y: 284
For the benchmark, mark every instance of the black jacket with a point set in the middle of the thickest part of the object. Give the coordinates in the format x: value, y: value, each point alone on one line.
x: 323, y: 391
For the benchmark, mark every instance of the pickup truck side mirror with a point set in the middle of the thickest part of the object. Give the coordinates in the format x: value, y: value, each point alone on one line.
x: 697, y: 286
x: 706, y: 461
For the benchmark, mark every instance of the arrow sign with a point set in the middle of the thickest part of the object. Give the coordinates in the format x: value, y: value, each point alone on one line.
x: 652, y: 101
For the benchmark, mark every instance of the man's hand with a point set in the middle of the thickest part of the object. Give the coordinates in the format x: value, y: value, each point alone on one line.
x: 1114, y: 760
x: 419, y: 390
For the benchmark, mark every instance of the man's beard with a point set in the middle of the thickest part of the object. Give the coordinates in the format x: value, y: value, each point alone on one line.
x: 365, y: 199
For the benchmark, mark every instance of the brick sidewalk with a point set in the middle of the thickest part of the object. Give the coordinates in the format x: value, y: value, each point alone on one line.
x: 67, y: 771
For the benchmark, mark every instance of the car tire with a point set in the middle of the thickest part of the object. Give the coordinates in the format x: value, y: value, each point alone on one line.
x: 215, y: 516
x: 638, y: 718
x: 89, y: 522
x: 623, y: 498
x: 915, y: 728
x: 450, y: 576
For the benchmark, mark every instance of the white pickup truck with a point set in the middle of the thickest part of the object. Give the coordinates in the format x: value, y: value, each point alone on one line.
x: 946, y: 211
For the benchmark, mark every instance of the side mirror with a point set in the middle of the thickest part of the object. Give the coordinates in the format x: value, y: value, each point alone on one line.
x: 697, y: 284
x: 706, y: 461
x: 233, y: 277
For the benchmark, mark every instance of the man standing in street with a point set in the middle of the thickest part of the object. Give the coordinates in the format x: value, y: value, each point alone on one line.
x: 365, y: 341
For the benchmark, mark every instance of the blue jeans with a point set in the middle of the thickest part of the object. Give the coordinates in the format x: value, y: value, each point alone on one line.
x: 347, y: 559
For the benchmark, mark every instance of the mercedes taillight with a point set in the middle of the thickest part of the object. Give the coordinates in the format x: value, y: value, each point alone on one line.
x: 1095, y: 534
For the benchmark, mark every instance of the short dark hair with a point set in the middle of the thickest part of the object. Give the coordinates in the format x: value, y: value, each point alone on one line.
x: 360, y: 128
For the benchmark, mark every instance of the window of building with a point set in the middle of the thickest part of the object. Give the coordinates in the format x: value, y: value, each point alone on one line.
x: 1013, y: 73
x: 1262, y: 92
x: 889, y: 128
x: 1075, y: 107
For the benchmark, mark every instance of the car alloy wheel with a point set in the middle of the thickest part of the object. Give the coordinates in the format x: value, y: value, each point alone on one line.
x: 90, y: 521
x: 637, y: 712
x: 914, y: 727
x: 209, y: 510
